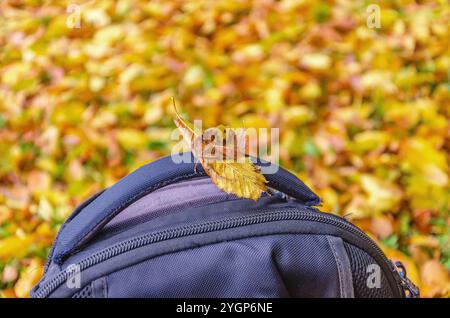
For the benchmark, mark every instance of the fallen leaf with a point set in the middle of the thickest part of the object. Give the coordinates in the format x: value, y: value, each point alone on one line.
x: 238, y: 176
x: 14, y: 246
x: 436, y: 279
x: 29, y: 277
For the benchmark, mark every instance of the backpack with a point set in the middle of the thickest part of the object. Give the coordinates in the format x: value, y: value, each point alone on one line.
x: 166, y: 230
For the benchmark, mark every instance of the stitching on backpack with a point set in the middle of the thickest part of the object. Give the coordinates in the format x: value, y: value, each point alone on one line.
x: 104, y: 287
x: 339, y: 265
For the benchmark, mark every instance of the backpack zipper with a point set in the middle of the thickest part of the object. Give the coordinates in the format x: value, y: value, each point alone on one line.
x: 412, y: 291
x: 309, y: 214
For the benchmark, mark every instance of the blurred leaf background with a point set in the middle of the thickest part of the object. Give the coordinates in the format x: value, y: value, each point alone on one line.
x: 363, y: 112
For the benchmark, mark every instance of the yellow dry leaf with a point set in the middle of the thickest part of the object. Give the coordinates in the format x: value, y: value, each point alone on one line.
x: 424, y: 240
x: 381, y: 226
x: 310, y: 91
x: 316, y: 61
x: 45, y: 209
x: 370, y: 140
x: 194, y: 76
x: 14, y: 246
x: 132, y: 138
x: 381, y: 194
x: 241, y: 179
x: 7, y: 293
x: 238, y: 176
x: 5, y: 214
x: 29, y: 278
x: 436, y: 279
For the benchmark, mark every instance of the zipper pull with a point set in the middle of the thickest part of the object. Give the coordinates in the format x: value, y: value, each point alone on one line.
x: 411, y: 290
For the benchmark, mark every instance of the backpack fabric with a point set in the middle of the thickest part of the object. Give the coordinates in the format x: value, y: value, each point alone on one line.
x: 167, y: 231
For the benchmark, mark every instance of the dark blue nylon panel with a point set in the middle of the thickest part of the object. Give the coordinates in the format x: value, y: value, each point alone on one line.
x: 268, y: 266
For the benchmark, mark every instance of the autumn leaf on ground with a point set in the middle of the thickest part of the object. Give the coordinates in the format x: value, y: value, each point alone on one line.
x: 231, y: 170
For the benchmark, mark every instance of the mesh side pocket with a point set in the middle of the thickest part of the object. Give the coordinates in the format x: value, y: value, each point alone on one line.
x: 360, y: 263
x: 86, y: 292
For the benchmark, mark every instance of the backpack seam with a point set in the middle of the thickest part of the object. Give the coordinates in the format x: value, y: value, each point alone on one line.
x: 343, y: 266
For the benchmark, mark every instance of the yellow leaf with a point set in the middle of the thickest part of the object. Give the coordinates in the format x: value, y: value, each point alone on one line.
x: 238, y: 176
x: 424, y: 240
x: 241, y: 179
x: 194, y: 76
x: 297, y: 115
x: 45, y: 209
x: 29, y: 278
x: 316, y: 61
x: 132, y: 138
x: 274, y: 99
x: 436, y: 279
x: 7, y: 293
x: 382, y: 195
x: 14, y: 73
x: 370, y: 140
x: 310, y: 91
x: 14, y: 246
x: 110, y: 34
x: 5, y: 214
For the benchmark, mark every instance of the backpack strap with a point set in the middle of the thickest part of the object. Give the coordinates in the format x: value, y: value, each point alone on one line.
x: 86, y: 221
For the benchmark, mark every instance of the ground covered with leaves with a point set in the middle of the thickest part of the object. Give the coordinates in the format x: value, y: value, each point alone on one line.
x: 363, y: 111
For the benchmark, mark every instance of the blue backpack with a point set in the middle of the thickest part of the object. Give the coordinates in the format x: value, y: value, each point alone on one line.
x: 166, y: 231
